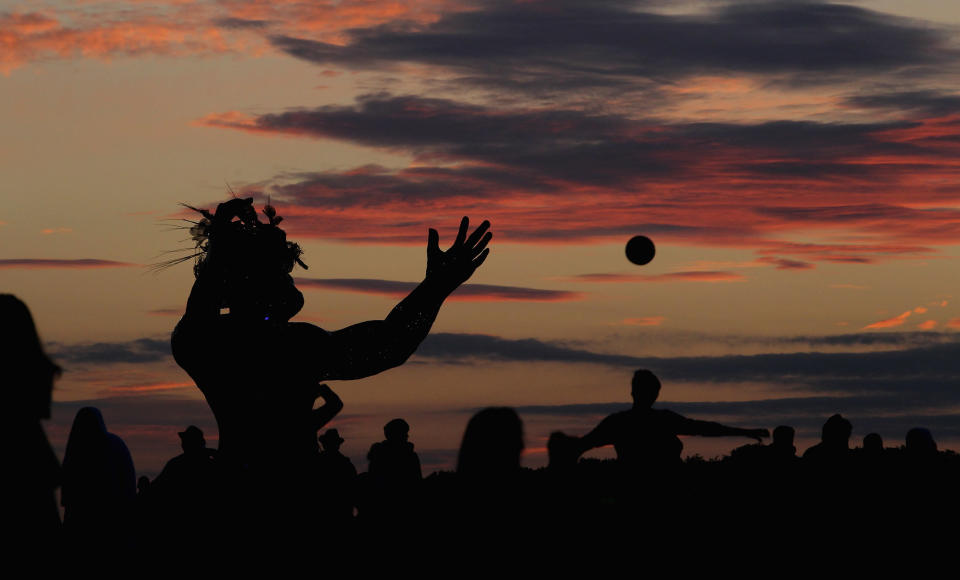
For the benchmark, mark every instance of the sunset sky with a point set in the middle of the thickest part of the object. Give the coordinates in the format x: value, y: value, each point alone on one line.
x: 797, y: 164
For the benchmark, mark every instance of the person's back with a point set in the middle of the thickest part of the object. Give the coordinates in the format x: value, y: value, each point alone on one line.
x: 645, y: 437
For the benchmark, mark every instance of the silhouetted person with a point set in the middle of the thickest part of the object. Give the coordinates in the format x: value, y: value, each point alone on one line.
x: 32, y: 472
x: 393, y: 460
x: 920, y: 444
x: 782, y: 446
x: 834, y: 446
x: 99, y: 485
x: 338, y: 479
x: 193, y: 472
x: 491, y: 446
x: 259, y: 372
x: 646, y: 437
x: 490, y: 499
x: 563, y: 451
x: 873, y: 445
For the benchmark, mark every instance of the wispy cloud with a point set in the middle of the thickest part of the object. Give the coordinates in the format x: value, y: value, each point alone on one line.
x: 141, y: 350
x: 644, y: 321
x: 691, y: 276
x: 84, y: 263
x: 166, y: 312
x: 898, y: 320
x: 466, y: 292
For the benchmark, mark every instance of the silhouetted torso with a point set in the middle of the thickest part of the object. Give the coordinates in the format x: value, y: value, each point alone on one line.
x: 394, y: 463
x: 643, y: 436
x: 258, y: 380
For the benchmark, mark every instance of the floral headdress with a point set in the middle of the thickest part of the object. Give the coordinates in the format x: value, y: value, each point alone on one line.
x: 235, y: 223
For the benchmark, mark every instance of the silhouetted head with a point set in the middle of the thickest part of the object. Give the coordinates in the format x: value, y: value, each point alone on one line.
x: 396, y: 430
x: 191, y: 439
x: 26, y: 368
x: 920, y: 442
x: 88, y: 434
x: 253, y: 258
x: 562, y: 451
x: 836, y: 431
x: 873, y: 443
x: 143, y: 484
x: 783, y: 436
x: 492, y: 443
x: 331, y: 440
x: 645, y: 388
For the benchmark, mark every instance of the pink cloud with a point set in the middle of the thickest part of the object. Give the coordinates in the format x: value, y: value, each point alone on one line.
x: 890, y: 322
x: 134, y: 389
x: 691, y: 276
x: 927, y: 325
x: 644, y: 321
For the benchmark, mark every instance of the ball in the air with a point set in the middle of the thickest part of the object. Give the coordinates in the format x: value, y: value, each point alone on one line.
x: 640, y: 250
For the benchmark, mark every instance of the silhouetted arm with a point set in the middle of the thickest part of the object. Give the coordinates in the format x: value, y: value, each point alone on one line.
x: 603, y: 434
x: 368, y: 348
x: 685, y: 426
x: 206, y: 296
x: 332, y: 404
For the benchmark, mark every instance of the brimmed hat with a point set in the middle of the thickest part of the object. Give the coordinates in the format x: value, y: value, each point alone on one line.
x: 330, y: 436
x: 191, y: 432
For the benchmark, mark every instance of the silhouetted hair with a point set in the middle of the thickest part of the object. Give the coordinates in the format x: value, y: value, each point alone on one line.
x: 836, y: 429
x: 873, y: 443
x: 26, y: 367
x: 645, y: 383
x: 492, y: 443
x: 920, y: 441
x: 396, y: 428
x: 783, y: 435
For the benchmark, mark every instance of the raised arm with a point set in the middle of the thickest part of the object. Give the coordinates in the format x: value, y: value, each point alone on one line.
x: 332, y: 404
x: 368, y: 348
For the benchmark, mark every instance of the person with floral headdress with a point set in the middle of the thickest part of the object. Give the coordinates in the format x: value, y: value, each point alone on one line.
x: 258, y: 370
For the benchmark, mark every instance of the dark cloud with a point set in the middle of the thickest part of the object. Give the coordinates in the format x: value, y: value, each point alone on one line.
x: 900, y: 339
x: 690, y: 276
x: 464, y: 292
x: 785, y: 264
x: 452, y: 346
x: 882, y: 415
x: 533, y: 149
x: 543, y: 44
x: 241, y: 23
x: 84, y: 263
x: 142, y: 350
x: 925, y: 372
x: 141, y: 410
x: 926, y: 102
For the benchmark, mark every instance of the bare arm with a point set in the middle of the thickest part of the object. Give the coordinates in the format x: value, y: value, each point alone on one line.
x: 332, y: 404
x: 368, y: 348
x: 687, y: 426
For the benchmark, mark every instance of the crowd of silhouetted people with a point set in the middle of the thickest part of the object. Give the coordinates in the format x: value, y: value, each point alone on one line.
x: 278, y: 480
x: 488, y: 493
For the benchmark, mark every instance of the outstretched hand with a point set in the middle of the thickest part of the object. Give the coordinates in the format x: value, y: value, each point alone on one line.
x: 454, y: 266
x: 758, y: 434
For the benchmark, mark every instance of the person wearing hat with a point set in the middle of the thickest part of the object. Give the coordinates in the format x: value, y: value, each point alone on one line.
x: 338, y: 477
x: 191, y: 474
